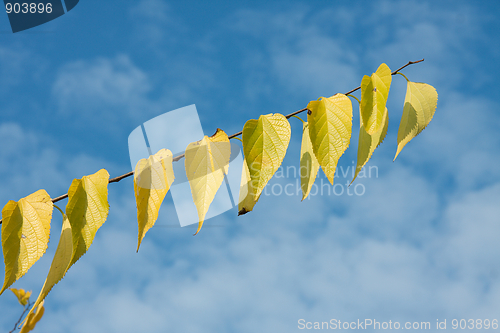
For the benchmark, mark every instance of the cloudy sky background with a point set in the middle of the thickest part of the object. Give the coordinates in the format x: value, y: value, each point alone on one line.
x: 421, y: 244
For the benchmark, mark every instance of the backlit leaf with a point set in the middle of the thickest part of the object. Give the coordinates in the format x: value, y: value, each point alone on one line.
x: 374, y: 94
x: 265, y: 141
x: 25, y: 234
x: 22, y: 295
x: 60, y: 262
x: 246, y: 198
x: 207, y: 163
x: 330, y: 126
x: 152, y: 179
x: 87, y: 210
x: 420, y: 105
x: 309, y: 164
x: 368, y: 143
x: 32, y: 319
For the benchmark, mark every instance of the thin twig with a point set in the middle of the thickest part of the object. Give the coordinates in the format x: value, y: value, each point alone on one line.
x: 26, y: 308
x: 393, y: 73
x: 176, y: 158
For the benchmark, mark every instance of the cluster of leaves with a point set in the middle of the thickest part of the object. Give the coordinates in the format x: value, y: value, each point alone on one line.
x: 325, y: 137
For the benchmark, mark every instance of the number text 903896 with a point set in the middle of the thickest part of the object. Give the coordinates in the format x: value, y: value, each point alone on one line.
x: 28, y: 8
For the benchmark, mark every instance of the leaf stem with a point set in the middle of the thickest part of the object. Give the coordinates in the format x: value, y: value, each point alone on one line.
x: 354, y: 97
x: 59, y: 209
x: 176, y: 158
x: 404, y: 76
x: 302, y: 120
x: 235, y: 137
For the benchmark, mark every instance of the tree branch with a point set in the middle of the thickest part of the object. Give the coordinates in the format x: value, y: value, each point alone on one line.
x: 176, y: 158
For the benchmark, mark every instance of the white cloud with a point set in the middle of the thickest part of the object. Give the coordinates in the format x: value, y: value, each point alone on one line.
x: 18, y: 64
x: 154, y: 23
x: 11, y: 61
x: 29, y: 162
x: 114, y: 95
x: 297, y: 51
x: 275, y: 266
x: 103, y: 90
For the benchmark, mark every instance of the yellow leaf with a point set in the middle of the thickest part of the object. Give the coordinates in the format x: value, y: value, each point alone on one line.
x: 33, y: 318
x: 246, y: 198
x: 420, y: 105
x: 87, y: 210
x: 207, y: 163
x: 25, y: 234
x: 22, y: 296
x: 152, y: 180
x: 374, y: 94
x: 368, y: 143
x: 60, y: 262
x: 309, y: 164
x: 265, y: 141
x: 330, y: 126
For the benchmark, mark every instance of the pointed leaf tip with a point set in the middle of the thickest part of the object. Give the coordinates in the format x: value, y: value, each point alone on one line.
x: 330, y: 127
x: 243, y: 211
x: 25, y: 234
x: 246, y: 195
x: 265, y: 141
x: 368, y: 143
x: 152, y: 180
x: 87, y: 210
x: 309, y: 164
x: 32, y: 319
x: 419, y: 107
x: 374, y: 94
x: 60, y: 262
x: 207, y: 163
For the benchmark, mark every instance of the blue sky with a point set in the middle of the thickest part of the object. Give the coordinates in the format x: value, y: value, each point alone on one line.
x: 420, y: 244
